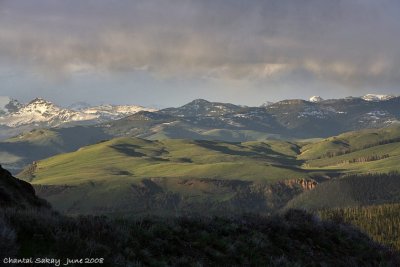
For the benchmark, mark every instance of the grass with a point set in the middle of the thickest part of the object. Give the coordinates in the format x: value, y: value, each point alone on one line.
x: 342, y: 164
x: 351, y: 141
x: 268, y: 161
x: 179, y: 176
x: 114, y: 174
x: 170, y: 158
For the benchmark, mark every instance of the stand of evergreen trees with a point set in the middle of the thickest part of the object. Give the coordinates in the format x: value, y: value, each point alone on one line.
x: 343, y: 151
x: 365, y: 159
x: 380, y: 222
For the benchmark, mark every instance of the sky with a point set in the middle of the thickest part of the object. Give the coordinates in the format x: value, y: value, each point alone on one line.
x: 168, y: 52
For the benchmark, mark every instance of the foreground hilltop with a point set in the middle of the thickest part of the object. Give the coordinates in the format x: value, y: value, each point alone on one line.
x: 293, y: 239
x: 17, y: 193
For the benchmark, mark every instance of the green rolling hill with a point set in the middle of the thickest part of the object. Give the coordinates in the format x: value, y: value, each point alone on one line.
x: 140, y: 158
x: 368, y: 162
x: 133, y: 175
x: 366, y: 151
x: 350, y: 142
x: 136, y: 176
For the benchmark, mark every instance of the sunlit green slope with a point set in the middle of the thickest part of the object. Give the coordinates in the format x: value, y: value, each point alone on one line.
x: 177, y: 175
x: 133, y: 175
x: 135, y: 158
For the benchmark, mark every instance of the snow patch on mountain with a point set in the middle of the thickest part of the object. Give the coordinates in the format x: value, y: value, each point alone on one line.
x: 318, y: 112
x: 40, y: 112
x: 378, y: 118
x: 315, y: 99
x: 112, y: 112
x: 375, y: 98
x: 377, y: 113
x: 312, y: 113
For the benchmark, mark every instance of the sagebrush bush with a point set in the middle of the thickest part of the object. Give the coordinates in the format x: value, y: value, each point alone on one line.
x: 8, y: 245
x: 292, y: 239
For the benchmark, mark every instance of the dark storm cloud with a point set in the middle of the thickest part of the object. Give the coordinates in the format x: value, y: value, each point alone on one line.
x: 353, y: 42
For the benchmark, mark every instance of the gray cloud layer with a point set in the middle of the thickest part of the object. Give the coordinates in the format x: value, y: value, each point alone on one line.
x: 351, y: 42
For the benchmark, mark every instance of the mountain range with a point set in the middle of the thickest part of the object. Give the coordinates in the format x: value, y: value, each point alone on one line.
x: 39, y: 113
x: 287, y: 119
x: 69, y: 129
x: 202, y: 119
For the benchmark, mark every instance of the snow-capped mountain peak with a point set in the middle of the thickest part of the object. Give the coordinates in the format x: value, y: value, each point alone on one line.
x: 42, y: 113
x: 374, y: 97
x: 41, y: 106
x: 315, y: 99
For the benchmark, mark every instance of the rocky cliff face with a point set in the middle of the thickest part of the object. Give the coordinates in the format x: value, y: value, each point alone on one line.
x: 17, y: 193
x: 305, y: 184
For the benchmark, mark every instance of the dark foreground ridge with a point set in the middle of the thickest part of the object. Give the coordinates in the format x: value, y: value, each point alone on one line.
x: 295, y: 238
x: 17, y: 193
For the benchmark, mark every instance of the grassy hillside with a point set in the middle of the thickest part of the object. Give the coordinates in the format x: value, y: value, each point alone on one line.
x: 377, y: 159
x: 350, y: 142
x: 362, y: 152
x: 134, y: 175
x: 176, y: 176
x: 368, y: 163
x: 136, y: 159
